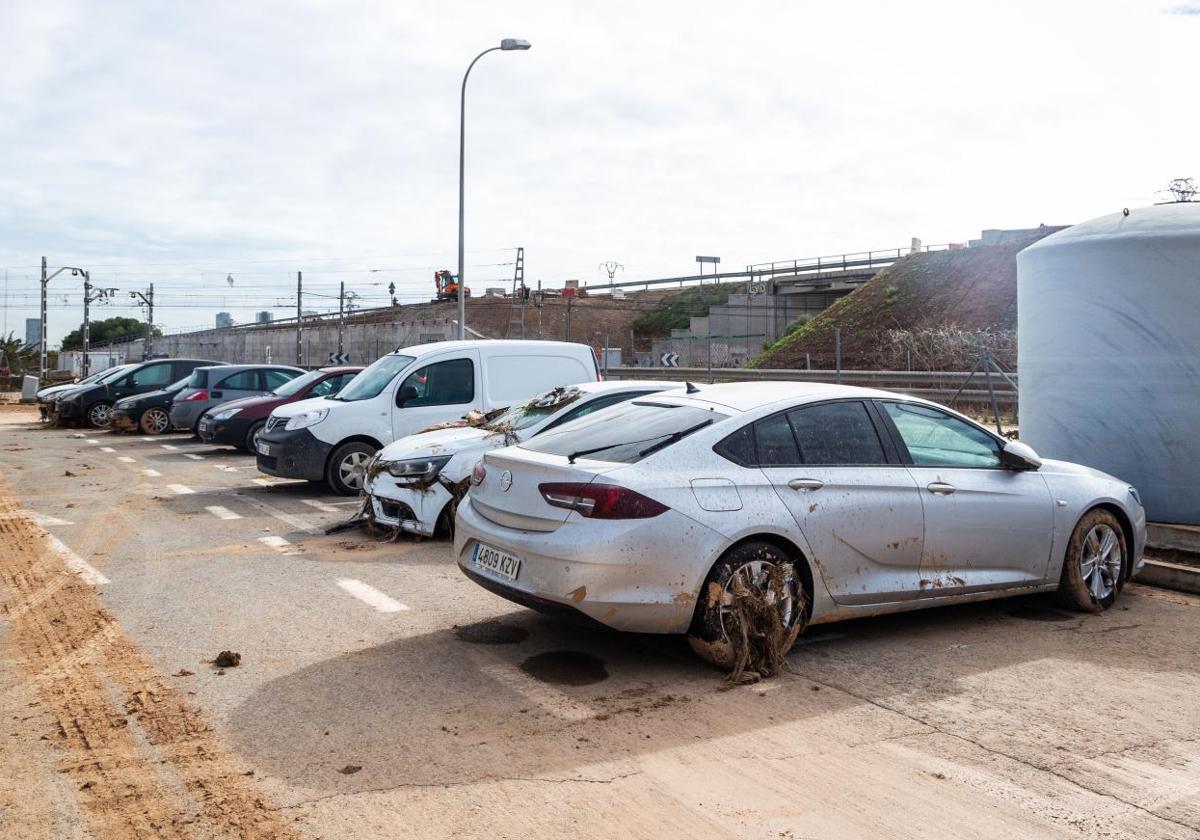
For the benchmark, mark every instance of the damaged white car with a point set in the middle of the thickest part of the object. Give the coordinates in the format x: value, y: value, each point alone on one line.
x: 816, y: 502
x: 415, y: 483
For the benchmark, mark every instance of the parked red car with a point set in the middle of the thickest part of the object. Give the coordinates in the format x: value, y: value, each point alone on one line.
x: 239, y: 422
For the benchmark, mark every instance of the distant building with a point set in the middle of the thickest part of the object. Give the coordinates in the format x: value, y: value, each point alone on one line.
x: 263, y: 317
x: 33, y: 331
x: 224, y: 320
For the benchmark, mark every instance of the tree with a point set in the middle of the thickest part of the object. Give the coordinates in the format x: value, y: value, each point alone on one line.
x: 108, y: 331
x: 17, y: 355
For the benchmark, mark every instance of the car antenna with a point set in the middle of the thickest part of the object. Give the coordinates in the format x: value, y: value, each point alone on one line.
x: 691, y: 389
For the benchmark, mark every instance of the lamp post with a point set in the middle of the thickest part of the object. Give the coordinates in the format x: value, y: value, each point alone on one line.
x: 46, y: 278
x: 506, y: 45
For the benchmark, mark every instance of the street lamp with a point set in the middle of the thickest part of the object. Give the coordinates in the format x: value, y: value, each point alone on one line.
x: 46, y: 278
x: 506, y: 45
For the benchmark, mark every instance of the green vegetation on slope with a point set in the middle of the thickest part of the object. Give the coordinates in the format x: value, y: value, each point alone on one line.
x: 676, y: 310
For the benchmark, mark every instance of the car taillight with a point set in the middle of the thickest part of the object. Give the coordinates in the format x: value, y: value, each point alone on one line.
x: 478, y: 473
x: 601, y: 501
x: 199, y: 395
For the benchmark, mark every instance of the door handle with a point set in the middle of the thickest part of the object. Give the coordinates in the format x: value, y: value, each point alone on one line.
x: 941, y: 488
x: 806, y: 485
x: 217, y: 395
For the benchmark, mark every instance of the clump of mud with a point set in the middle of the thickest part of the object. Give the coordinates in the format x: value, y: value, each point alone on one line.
x: 757, y: 635
x: 228, y: 659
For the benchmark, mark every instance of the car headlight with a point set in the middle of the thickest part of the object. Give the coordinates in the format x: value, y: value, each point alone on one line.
x: 226, y: 414
x: 1137, y: 497
x: 418, y: 469
x: 306, y: 419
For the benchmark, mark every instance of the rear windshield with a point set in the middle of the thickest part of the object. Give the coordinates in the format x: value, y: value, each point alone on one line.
x: 373, y: 379
x: 624, y: 433
x: 175, y: 387
x: 198, y: 379
x: 295, y: 386
x: 535, y: 410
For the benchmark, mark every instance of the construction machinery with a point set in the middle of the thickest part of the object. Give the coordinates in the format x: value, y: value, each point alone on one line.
x: 447, y: 285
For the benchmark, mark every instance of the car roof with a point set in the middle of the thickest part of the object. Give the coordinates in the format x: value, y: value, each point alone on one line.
x: 611, y: 385
x: 254, y: 367
x: 344, y: 369
x: 747, y: 396
x: 472, y: 344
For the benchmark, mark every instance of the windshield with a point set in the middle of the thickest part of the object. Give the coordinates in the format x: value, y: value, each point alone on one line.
x: 112, y: 373
x: 535, y: 410
x: 373, y: 379
x: 626, y: 432
x: 177, y: 386
x: 295, y: 386
x: 199, y: 378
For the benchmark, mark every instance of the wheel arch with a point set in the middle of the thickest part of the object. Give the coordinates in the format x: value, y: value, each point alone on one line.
x: 367, y: 439
x: 803, y: 564
x: 1126, y: 529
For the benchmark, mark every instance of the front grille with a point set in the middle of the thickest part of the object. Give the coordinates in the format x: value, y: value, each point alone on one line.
x: 272, y: 422
x: 396, y: 510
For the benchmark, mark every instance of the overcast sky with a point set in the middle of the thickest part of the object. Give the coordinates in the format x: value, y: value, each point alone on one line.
x: 183, y: 142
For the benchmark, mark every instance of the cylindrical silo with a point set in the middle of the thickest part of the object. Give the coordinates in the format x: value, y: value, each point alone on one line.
x: 1108, y: 333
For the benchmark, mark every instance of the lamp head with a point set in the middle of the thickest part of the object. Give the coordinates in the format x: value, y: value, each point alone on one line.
x: 515, y: 44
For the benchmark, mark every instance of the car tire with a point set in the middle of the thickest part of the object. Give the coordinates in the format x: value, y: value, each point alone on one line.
x: 1095, y: 565
x: 347, y: 462
x: 252, y: 436
x: 707, y: 636
x: 155, y: 421
x: 99, y: 415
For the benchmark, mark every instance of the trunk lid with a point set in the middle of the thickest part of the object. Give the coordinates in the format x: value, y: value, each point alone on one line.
x: 509, y: 495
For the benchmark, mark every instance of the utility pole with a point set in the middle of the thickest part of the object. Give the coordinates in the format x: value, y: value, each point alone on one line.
x: 341, y: 313
x: 42, y: 343
x: 518, y: 295
x: 148, y: 300
x: 570, y: 300
x: 299, y: 321
x: 101, y: 295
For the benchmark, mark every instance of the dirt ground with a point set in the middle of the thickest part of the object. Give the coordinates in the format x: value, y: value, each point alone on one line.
x: 381, y: 694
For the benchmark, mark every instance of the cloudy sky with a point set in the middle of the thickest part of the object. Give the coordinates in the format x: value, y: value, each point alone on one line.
x: 180, y: 143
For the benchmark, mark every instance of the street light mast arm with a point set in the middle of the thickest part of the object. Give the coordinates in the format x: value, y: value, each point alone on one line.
x: 462, y: 167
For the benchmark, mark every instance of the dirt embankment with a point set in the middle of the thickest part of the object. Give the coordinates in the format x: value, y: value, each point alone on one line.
x: 929, y: 309
x: 141, y: 759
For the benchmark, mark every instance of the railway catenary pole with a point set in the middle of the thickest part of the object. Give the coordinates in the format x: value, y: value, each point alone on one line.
x: 299, y: 320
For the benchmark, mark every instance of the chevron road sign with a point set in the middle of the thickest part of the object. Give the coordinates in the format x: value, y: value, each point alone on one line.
x: 339, y: 358
x: 669, y: 359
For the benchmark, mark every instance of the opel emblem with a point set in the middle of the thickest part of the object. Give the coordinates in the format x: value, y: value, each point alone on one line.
x: 505, y: 481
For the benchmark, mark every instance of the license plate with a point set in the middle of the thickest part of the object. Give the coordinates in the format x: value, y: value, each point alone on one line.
x: 264, y: 448
x: 496, y: 561
x: 204, y: 424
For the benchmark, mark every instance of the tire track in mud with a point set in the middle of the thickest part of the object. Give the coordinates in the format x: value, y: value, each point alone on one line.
x: 143, y: 760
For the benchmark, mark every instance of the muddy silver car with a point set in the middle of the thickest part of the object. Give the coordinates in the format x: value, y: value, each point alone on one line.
x: 827, y: 502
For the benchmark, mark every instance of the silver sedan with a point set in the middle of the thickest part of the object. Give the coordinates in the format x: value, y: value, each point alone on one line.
x: 831, y: 502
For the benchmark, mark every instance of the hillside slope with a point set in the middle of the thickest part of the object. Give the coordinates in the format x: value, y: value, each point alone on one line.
x: 928, y: 310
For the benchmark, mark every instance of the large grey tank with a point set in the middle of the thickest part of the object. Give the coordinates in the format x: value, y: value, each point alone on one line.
x: 1108, y: 333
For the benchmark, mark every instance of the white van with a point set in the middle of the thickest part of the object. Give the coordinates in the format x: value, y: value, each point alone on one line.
x: 331, y: 439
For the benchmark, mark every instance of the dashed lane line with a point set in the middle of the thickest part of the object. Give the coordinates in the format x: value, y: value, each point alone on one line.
x: 280, y: 544
x: 169, y: 447
x: 93, y: 440
x: 180, y: 489
x: 222, y: 512
x: 193, y: 457
x: 279, y: 482
x: 286, y: 518
x: 321, y: 506
x: 126, y: 459
x: 224, y: 468
x: 85, y: 570
x: 107, y: 449
x: 371, y: 596
x: 42, y: 520
x: 151, y: 473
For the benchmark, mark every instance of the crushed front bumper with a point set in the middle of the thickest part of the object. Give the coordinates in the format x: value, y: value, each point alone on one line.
x: 411, y: 509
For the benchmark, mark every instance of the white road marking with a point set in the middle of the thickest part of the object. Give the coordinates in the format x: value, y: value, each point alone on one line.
x: 92, y: 440
x: 180, y: 489
x: 169, y: 446
x: 341, y: 504
x: 75, y: 563
x: 125, y: 458
x: 279, y: 482
x: 224, y: 468
x: 107, y: 449
x: 279, y: 544
x: 286, y: 518
x: 222, y: 512
x: 371, y: 596
x: 193, y: 457
x: 42, y: 520
x: 321, y: 506
x: 151, y: 473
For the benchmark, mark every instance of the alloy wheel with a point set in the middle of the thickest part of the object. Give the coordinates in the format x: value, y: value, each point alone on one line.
x: 757, y: 577
x: 156, y: 421
x: 351, y: 469
x: 100, y: 415
x: 1100, y: 561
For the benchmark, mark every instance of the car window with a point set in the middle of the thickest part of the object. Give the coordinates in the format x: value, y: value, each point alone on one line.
x: 451, y: 382
x: 246, y: 380
x: 276, y: 378
x: 295, y: 386
x: 157, y: 375
x: 625, y: 433
x: 595, y: 405
x: 935, y: 438
x: 373, y: 378
x: 774, y: 442
x: 837, y: 433
x: 739, y: 447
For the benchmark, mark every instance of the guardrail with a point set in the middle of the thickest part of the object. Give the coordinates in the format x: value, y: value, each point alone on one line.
x: 931, y: 384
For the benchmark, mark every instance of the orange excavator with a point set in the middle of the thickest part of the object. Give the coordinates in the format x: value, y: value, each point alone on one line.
x: 447, y: 285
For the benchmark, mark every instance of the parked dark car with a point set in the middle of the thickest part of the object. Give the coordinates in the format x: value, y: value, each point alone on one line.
x: 210, y: 387
x: 48, y: 398
x: 150, y: 412
x: 238, y: 423
x: 93, y: 404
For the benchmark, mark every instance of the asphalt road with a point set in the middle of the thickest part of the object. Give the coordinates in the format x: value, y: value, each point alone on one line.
x: 380, y: 694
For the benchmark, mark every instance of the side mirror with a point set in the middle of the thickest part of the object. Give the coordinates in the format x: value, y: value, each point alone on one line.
x: 406, y: 393
x: 1019, y: 456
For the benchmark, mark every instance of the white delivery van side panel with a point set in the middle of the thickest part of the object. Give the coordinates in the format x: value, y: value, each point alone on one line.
x: 447, y: 386
x: 512, y: 378
x: 361, y: 418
